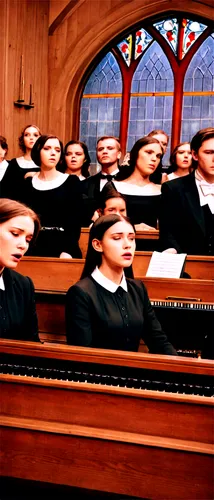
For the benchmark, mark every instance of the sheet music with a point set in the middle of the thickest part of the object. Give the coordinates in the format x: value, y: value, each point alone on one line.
x: 166, y: 265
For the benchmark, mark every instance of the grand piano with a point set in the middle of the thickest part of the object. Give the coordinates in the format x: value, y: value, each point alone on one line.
x: 119, y: 422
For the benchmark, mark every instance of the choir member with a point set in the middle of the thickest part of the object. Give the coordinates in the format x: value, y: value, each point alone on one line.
x: 76, y: 159
x: 108, y: 155
x: 19, y: 226
x: 104, y: 309
x: 180, y: 161
x: 187, y: 203
x: 5, y: 179
x: 27, y: 139
x: 141, y: 183
x: 57, y: 199
x: 110, y: 201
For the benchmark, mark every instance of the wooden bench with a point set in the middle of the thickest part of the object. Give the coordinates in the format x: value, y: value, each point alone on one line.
x: 140, y: 235
x: 59, y: 274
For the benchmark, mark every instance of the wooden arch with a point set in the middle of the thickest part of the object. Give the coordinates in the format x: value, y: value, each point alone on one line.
x: 76, y: 65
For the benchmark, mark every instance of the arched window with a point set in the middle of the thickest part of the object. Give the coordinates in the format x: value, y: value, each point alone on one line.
x: 159, y: 76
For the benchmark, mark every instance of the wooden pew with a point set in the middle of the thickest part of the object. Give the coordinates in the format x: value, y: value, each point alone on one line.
x: 59, y: 274
x: 53, y: 277
x: 151, y: 441
x: 140, y: 235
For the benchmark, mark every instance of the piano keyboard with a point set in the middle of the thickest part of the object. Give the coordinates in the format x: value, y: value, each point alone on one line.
x: 153, y: 381
x: 196, y: 306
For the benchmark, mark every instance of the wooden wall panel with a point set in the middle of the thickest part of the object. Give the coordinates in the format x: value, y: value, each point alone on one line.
x: 25, y: 29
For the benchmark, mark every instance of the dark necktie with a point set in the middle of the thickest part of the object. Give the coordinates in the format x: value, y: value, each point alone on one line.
x: 108, y: 177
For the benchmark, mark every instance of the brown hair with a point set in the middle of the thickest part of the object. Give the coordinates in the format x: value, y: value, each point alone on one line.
x: 202, y: 135
x: 157, y: 132
x: 12, y: 208
x: 172, y: 160
x: 21, y: 138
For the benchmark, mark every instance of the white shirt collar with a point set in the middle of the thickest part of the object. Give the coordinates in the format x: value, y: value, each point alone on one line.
x: 3, y: 167
x: 42, y: 185
x: 108, y: 284
x: 2, y: 285
x: 104, y: 181
x: 23, y: 163
x: 204, y: 200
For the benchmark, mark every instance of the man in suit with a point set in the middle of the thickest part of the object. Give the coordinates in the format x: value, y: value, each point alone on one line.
x: 108, y: 155
x: 187, y: 205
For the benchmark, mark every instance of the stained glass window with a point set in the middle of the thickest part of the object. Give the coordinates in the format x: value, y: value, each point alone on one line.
x: 125, y: 48
x: 142, y: 40
x: 148, y: 95
x: 198, y: 110
x: 153, y: 110
x: 100, y: 114
x: 169, y: 30
x: 192, y: 30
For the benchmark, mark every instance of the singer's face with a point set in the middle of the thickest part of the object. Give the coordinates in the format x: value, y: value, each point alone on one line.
x: 31, y: 135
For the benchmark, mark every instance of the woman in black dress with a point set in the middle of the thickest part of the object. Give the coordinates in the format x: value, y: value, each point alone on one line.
x: 19, y: 167
x: 19, y: 226
x: 56, y: 198
x: 104, y: 309
x: 140, y: 183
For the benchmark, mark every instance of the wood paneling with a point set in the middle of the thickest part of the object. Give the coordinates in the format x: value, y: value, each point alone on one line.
x: 25, y: 31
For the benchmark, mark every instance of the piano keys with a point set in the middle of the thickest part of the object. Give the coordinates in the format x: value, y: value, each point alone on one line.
x: 128, y: 423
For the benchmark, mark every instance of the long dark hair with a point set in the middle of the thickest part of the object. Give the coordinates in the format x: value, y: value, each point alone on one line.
x: 87, y: 161
x: 99, y: 228
x: 11, y: 208
x: 126, y: 171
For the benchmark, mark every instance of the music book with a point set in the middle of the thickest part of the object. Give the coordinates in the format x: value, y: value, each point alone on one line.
x: 166, y: 265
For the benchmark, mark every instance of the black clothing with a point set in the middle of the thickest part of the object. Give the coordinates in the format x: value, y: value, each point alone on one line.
x: 91, y: 192
x: 18, y: 319
x: 143, y: 209
x: 96, y: 317
x: 109, y: 177
x: 11, y: 183
x: 59, y: 210
x: 183, y: 222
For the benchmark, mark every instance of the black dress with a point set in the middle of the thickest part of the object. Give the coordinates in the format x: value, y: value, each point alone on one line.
x: 11, y: 182
x: 142, y: 206
x: 59, y: 209
x: 18, y: 319
x: 96, y: 317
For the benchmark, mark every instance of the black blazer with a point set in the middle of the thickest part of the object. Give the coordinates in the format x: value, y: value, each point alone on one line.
x: 18, y: 319
x: 181, y: 223
x: 90, y: 188
x: 95, y: 317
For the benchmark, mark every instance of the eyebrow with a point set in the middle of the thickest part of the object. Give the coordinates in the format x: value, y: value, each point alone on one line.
x: 113, y: 234
x: 20, y: 229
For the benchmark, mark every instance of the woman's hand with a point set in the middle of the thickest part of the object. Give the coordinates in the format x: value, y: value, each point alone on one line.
x: 144, y: 227
x: 170, y: 250
x: 65, y: 255
x: 29, y: 174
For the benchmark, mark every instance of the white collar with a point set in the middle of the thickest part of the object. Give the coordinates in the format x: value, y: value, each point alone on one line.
x: 112, y: 173
x: 149, y: 189
x: 2, y: 285
x: 42, y: 185
x: 108, y: 284
x: 23, y: 163
x: 204, y: 199
x: 3, y: 167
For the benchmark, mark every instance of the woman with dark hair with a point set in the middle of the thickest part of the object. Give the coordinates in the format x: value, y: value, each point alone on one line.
x: 104, y: 309
x: 180, y: 161
x: 140, y: 183
x: 76, y: 159
x: 19, y: 226
x: 56, y: 197
x: 27, y: 139
x: 12, y: 183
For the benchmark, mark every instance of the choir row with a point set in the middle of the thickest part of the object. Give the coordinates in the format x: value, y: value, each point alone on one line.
x: 183, y: 207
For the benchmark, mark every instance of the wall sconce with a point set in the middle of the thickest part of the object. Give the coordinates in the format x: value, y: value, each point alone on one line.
x: 20, y: 103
